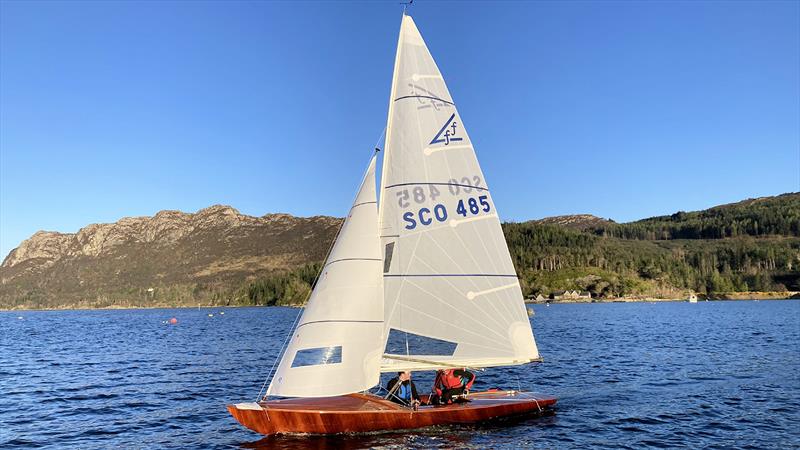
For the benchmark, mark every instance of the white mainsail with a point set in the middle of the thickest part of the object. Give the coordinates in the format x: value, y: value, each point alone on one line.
x: 336, y: 347
x: 428, y: 281
x: 451, y: 294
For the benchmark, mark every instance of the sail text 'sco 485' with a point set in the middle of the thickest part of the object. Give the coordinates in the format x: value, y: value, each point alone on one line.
x: 425, y: 203
x: 424, y: 216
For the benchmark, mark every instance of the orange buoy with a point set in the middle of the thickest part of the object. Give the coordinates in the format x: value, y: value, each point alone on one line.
x: 173, y: 321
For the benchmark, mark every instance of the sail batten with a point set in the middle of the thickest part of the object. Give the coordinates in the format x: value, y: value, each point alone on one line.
x: 428, y: 97
x: 511, y: 275
x: 428, y: 183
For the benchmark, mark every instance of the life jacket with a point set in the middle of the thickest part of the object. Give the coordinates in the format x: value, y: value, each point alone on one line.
x: 449, y: 380
x: 404, y: 392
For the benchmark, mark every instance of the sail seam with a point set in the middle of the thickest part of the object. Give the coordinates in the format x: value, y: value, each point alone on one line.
x: 485, y: 315
x: 339, y: 321
x: 438, y: 184
x: 450, y: 275
x: 425, y: 96
x: 352, y: 259
x: 362, y: 203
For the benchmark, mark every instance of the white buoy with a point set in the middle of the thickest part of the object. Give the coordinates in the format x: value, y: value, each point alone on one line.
x: 210, y: 315
x: 19, y: 317
x: 222, y: 313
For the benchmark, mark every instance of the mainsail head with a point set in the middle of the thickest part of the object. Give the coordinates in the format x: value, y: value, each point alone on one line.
x: 450, y: 289
x: 336, y: 347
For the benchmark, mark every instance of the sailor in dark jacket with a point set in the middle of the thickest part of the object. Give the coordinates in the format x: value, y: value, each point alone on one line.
x: 402, y: 390
x: 452, y: 385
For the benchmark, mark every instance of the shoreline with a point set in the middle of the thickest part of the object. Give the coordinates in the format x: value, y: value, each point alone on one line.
x: 123, y: 308
x: 720, y: 297
x: 728, y: 296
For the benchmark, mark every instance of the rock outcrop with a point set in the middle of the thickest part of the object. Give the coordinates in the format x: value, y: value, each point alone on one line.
x: 575, y: 221
x: 201, y: 255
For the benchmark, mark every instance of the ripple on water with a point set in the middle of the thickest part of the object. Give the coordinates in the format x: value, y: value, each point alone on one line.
x: 713, y: 375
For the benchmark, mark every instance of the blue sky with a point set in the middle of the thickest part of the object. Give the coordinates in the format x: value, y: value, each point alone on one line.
x: 619, y: 109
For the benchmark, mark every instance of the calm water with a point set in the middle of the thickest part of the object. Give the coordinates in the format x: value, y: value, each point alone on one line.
x: 712, y: 374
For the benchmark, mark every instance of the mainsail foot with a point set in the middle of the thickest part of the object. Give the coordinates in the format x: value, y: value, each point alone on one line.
x: 401, y: 362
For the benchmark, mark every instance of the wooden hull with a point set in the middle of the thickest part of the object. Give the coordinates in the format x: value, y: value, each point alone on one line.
x: 358, y: 413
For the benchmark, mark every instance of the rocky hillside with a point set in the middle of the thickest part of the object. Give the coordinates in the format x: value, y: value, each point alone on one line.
x: 173, y: 258
x: 220, y: 257
x: 575, y: 221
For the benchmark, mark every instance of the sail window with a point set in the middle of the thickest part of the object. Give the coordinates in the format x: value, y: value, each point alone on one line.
x: 317, y: 356
x: 403, y: 343
x: 387, y: 260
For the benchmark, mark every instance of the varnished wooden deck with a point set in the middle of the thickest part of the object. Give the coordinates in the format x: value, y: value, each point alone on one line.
x: 365, y: 413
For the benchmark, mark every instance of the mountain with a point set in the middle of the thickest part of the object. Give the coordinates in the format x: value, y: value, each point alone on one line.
x: 172, y: 258
x: 218, y: 256
x: 752, y: 245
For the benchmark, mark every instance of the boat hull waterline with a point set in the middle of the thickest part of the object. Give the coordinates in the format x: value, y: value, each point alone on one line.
x: 360, y: 413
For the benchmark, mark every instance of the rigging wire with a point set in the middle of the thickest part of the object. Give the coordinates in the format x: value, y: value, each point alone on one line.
x: 316, y: 280
x: 283, y: 347
x: 377, y: 142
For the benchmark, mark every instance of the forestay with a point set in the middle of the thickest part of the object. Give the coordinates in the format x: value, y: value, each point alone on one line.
x: 450, y: 289
x: 336, y: 347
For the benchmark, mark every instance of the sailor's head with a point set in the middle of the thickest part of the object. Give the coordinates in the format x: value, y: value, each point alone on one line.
x: 404, y: 376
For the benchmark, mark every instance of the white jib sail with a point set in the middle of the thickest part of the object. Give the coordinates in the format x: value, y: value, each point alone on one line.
x: 336, y: 347
x: 450, y: 289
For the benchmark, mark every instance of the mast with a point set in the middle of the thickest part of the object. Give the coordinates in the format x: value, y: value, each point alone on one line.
x: 386, y: 147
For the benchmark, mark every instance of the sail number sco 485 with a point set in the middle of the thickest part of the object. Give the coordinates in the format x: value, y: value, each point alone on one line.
x: 464, y: 207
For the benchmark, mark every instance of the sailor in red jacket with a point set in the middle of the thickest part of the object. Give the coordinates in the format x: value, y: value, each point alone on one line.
x: 452, y: 384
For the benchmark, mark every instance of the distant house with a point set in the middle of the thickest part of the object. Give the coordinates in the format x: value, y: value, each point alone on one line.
x: 571, y: 295
x: 538, y: 299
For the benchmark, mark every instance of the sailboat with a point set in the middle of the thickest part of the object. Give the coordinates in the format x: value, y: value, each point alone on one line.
x: 421, y: 280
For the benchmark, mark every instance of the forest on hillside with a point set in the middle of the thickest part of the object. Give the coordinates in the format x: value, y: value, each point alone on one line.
x: 770, y: 216
x: 752, y: 245
x: 549, y: 258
